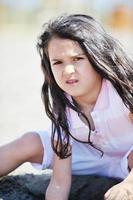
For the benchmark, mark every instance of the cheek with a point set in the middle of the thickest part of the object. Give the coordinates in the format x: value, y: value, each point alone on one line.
x: 57, y: 76
x: 93, y: 74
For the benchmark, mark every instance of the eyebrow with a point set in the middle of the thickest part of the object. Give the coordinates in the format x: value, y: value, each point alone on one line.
x: 73, y: 56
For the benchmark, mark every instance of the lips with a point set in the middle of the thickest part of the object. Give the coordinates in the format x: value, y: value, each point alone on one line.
x: 71, y: 81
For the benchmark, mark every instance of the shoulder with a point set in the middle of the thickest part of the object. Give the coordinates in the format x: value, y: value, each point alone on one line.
x: 116, y: 102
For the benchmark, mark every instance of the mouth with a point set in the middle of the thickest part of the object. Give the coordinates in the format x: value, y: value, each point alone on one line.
x: 72, y: 81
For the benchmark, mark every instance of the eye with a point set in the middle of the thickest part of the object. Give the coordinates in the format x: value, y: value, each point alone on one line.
x: 78, y: 58
x: 57, y: 63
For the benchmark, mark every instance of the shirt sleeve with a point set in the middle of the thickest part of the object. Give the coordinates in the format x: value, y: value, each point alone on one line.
x: 63, y: 137
x: 45, y: 137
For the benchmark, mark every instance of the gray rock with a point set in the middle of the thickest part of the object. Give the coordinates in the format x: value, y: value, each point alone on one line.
x: 33, y: 187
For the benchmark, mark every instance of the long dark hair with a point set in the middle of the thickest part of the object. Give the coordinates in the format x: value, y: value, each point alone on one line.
x: 106, y: 56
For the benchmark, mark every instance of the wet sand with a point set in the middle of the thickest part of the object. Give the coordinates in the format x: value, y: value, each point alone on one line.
x: 33, y: 187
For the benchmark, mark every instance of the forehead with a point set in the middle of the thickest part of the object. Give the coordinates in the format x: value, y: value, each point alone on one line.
x: 61, y: 47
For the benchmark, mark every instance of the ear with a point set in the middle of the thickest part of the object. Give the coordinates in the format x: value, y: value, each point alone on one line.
x: 131, y: 117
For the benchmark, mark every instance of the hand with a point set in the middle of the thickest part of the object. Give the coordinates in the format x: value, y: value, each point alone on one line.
x: 121, y: 191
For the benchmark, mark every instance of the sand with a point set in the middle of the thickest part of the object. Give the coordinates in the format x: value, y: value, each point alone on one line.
x: 33, y: 187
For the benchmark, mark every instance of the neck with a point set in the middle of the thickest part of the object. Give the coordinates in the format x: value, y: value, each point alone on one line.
x: 88, y: 102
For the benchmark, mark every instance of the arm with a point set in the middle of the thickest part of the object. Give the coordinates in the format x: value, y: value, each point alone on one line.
x: 129, y: 178
x: 123, y: 190
x: 27, y: 148
x: 60, y: 183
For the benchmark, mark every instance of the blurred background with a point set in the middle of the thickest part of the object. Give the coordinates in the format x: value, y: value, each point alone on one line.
x: 21, y: 107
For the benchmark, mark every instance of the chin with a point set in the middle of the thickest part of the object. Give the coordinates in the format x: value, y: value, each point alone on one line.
x: 75, y: 95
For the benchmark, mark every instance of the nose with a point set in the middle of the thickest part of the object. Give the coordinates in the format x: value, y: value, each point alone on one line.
x: 69, y: 69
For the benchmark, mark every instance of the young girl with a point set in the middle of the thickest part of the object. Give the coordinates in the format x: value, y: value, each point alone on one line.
x: 88, y: 95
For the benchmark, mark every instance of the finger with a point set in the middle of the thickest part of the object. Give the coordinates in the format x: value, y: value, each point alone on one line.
x: 107, y: 194
x: 113, y: 195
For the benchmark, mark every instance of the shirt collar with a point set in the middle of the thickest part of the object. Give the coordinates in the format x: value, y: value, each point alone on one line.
x: 103, y: 97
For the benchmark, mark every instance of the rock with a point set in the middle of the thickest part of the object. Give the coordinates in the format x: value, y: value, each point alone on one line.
x: 33, y: 187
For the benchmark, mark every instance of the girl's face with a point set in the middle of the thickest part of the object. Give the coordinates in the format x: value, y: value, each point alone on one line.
x: 72, y: 70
